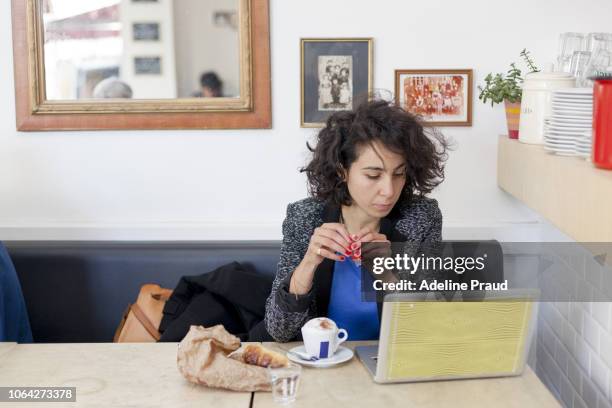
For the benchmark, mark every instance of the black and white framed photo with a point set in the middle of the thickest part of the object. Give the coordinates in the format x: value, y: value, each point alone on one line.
x: 145, y: 31
x: 335, y: 72
x: 147, y: 65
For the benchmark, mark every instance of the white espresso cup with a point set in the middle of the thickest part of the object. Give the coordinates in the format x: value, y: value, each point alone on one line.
x: 322, y: 337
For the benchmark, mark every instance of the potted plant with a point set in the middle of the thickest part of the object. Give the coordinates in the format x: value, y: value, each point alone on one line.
x: 508, y: 89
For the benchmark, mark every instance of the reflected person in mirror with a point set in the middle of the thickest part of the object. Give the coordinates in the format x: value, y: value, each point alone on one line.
x: 211, y: 86
x: 112, y: 88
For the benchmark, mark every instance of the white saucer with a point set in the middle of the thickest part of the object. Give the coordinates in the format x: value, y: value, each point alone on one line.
x: 341, y: 355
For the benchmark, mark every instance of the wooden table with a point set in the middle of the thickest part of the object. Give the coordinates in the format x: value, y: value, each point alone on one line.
x: 145, y: 375
x: 350, y: 384
x: 5, y: 348
x: 110, y: 375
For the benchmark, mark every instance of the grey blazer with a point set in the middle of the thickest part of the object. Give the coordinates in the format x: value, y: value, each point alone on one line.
x: 419, y: 220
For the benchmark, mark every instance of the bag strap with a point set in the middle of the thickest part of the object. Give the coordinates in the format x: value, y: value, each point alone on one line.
x: 120, y: 327
x: 146, y: 323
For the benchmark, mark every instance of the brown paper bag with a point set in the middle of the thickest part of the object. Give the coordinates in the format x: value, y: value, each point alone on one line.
x: 203, y: 359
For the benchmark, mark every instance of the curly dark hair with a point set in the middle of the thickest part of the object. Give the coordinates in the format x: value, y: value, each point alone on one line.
x: 399, y: 131
x: 213, y: 82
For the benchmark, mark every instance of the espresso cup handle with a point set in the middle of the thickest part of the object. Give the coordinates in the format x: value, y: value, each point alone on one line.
x: 341, y: 337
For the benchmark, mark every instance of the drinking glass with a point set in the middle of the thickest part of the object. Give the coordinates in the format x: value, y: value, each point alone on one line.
x: 568, y: 44
x: 597, y: 41
x: 285, y: 382
x: 578, y: 65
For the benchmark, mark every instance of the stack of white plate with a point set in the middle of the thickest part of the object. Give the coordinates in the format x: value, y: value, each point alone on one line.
x: 567, y: 130
x: 585, y: 144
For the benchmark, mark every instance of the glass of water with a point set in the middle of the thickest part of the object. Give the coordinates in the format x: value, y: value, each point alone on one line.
x: 285, y: 382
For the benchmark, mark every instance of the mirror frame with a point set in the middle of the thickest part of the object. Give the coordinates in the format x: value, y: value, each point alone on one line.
x: 34, y: 112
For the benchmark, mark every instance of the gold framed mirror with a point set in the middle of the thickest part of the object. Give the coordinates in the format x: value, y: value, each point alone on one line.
x: 141, y: 64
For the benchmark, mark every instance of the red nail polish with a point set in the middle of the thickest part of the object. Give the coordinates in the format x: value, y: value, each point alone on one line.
x: 355, y: 245
x: 348, y: 253
x: 342, y: 258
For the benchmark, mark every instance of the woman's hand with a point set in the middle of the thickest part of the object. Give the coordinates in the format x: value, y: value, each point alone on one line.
x: 379, y: 245
x: 326, y: 241
x: 366, y: 235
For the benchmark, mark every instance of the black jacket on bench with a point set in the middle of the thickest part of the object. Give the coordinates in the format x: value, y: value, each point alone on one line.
x: 233, y: 295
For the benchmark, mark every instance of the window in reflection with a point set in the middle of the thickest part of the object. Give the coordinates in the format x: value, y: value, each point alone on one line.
x: 143, y: 49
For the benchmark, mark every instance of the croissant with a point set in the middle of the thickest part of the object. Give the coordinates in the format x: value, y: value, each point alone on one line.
x: 256, y: 354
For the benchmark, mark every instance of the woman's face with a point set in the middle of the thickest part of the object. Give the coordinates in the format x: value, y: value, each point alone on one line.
x: 376, y: 179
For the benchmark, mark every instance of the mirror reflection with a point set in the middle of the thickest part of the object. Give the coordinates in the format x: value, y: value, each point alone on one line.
x: 141, y: 49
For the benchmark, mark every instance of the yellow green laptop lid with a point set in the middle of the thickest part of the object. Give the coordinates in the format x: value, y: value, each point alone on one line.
x: 429, y: 340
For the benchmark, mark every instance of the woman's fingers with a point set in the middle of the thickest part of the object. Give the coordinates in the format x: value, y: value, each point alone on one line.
x: 339, y: 229
x: 361, y: 234
x: 321, y: 240
x: 332, y: 241
x: 370, y: 236
x: 335, y: 235
x: 317, y: 247
x: 326, y: 253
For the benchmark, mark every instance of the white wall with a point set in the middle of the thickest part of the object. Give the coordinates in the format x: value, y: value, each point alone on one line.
x: 236, y: 184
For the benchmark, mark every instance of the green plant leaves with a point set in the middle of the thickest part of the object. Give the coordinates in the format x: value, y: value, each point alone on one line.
x: 499, y: 87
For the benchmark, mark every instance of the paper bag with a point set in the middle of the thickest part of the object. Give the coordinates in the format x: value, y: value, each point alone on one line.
x: 203, y: 359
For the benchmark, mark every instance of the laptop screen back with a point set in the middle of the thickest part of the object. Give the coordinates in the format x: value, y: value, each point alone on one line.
x: 440, y: 340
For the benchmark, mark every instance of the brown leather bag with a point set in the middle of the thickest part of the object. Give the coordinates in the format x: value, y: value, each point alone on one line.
x: 140, y: 321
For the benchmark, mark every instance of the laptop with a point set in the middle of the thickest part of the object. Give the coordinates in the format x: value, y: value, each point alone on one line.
x: 424, y: 340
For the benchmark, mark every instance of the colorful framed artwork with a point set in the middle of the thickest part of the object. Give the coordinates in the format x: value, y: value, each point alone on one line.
x: 441, y: 97
x: 335, y: 73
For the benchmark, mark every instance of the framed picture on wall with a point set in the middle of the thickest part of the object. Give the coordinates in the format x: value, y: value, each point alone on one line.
x: 335, y: 74
x: 145, y: 31
x: 147, y: 65
x: 442, y: 97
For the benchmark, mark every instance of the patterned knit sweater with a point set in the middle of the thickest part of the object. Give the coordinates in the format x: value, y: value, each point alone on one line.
x: 420, y: 221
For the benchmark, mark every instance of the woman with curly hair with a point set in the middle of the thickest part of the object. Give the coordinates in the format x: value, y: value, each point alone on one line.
x: 368, y: 177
